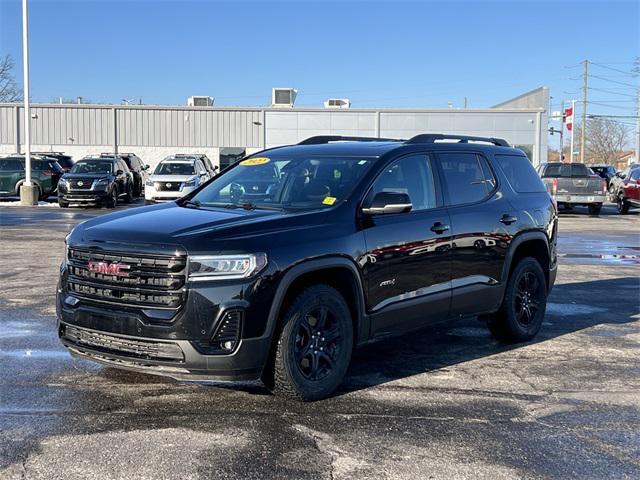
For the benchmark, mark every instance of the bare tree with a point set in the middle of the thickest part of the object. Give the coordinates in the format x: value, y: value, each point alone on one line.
x: 9, y: 91
x: 605, y: 139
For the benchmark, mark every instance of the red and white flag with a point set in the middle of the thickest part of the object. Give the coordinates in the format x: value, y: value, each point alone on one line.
x: 568, y: 117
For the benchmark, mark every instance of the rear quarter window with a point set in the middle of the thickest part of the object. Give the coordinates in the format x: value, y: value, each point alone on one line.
x: 520, y: 173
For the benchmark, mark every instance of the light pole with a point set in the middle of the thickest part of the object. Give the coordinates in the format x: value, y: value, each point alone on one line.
x: 28, y: 193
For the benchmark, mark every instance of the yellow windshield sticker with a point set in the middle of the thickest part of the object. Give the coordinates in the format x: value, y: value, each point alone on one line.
x: 329, y: 200
x: 252, y: 162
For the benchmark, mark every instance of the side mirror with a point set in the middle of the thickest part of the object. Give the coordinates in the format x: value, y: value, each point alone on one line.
x: 388, y: 202
x: 146, y: 167
x: 119, y: 172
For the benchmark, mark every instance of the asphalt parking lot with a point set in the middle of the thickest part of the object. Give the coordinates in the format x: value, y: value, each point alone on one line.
x: 444, y: 403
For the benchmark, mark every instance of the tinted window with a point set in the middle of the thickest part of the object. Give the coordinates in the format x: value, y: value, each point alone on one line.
x: 520, y: 173
x: 11, y: 164
x: 635, y: 174
x: 412, y: 175
x: 465, y: 177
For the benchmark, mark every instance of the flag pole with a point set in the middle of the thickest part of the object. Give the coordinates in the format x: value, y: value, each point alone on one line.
x: 573, y: 112
x: 27, y: 190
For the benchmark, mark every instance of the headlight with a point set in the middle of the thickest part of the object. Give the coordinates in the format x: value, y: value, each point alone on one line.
x: 102, y: 182
x: 190, y: 183
x: 149, y: 183
x: 225, y: 267
x: 63, y: 183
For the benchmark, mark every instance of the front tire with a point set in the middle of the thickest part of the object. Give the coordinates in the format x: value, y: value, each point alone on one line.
x: 523, y: 307
x: 622, y: 204
x: 314, y: 347
x: 112, y: 201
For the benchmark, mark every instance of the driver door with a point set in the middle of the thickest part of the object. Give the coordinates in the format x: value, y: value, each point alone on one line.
x: 407, y: 267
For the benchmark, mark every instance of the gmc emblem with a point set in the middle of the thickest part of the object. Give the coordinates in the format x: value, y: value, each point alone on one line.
x: 117, y: 269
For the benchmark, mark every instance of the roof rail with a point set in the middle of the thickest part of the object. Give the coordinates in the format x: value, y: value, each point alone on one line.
x: 319, y: 139
x: 434, y: 137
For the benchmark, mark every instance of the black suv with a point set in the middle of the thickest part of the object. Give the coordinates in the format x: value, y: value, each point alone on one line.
x: 96, y: 181
x: 137, y: 168
x: 352, y: 240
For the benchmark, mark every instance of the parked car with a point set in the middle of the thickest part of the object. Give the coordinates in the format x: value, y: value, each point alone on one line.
x: 573, y: 184
x: 138, y: 169
x: 617, y: 181
x: 45, y: 174
x: 606, y: 172
x: 211, y: 170
x: 96, y: 181
x: 627, y: 194
x: 174, y: 177
x: 230, y: 285
x: 65, y: 161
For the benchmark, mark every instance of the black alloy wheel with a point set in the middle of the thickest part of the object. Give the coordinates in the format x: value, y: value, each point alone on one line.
x: 317, y: 343
x: 527, y: 298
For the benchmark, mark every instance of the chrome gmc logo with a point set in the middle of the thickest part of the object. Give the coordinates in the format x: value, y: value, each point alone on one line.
x: 118, y: 269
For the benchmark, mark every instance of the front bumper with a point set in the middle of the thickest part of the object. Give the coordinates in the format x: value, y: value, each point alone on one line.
x: 146, y: 340
x: 86, y: 197
x: 581, y: 199
x: 153, y: 195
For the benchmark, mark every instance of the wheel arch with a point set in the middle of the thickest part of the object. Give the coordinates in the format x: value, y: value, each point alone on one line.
x: 337, y: 272
x: 528, y: 244
x: 35, y: 183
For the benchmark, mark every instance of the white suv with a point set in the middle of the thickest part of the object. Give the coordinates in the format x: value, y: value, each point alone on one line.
x: 173, y: 178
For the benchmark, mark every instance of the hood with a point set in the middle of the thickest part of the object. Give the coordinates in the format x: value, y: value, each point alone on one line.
x: 172, y: 178
x: 92, y: 176
x: 167, y: 226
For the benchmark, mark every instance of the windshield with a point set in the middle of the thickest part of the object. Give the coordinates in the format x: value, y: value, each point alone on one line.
x: 93, y: 167
x: 285, y: 182
x: 174, y: 168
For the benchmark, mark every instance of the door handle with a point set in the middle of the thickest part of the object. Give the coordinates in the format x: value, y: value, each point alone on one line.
x: 439, y: 227
x: 508, y: 219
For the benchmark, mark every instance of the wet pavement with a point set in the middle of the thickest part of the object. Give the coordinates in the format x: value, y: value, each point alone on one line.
x: 443, y: 403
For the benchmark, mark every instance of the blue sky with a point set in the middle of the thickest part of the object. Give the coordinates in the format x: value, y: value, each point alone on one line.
x: 394, y: 54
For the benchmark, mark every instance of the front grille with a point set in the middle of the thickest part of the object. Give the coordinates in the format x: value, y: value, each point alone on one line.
x: 74, y: 184
x: 168, y: 186
x: 104, y: 342
x: 149, y: 281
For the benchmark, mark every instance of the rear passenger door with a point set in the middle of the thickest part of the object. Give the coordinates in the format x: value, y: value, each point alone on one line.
x: 482, y: 222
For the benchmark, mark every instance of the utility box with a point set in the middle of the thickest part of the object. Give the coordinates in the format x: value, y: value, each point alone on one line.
x: 283, y: 97
x: 199, y: 101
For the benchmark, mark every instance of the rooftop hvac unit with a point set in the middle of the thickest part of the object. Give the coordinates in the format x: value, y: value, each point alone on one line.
x: 283, y: 97
x: 198, y: 101
x: 337, y: 103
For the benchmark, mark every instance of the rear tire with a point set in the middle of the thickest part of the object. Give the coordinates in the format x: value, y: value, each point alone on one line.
x: 314, y: 346
x: 594, y: 208
x: 523, y: 307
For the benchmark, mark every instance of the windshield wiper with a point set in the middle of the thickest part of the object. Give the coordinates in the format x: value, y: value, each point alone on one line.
x: 245, y: 206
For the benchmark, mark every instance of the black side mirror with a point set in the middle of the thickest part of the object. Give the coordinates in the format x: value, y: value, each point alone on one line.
x: 388, y: 202
x: 146, y: 167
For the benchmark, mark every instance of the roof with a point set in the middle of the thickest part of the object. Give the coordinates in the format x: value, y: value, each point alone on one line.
x: 377, y: 149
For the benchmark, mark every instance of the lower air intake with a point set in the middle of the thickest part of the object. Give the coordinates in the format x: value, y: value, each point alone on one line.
x: 227, y: 335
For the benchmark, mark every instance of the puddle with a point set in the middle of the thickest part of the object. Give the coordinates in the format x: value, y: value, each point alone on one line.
x: 37, y: 354
x: 613, y: 258
x: 572, y: 309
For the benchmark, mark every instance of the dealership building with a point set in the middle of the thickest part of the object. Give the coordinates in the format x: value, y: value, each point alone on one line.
x: 226, y: 133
